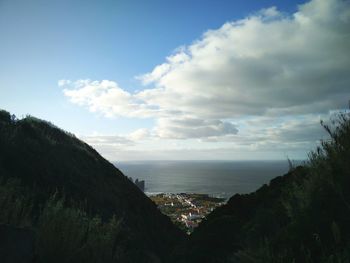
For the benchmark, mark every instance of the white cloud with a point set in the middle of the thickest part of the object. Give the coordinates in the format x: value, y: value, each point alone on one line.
x: 291, y: 64
x: 114, y: 140
x: 261, y: 132
x: 268, y: 65
x: 139, y: 134
x: 105, y: 97
x: 186, y: 128
x: 270, y: 12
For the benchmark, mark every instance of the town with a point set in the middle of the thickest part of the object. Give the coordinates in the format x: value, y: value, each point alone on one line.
x: 186, y: 210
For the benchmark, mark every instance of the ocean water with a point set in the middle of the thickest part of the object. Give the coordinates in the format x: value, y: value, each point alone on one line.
x: 216, y: 178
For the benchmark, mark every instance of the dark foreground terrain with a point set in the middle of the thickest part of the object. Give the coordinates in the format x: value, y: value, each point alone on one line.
x: 77, y: 205
x: 60, y: 201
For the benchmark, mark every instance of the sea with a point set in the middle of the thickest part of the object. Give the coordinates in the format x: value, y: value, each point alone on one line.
x: 215, y: 178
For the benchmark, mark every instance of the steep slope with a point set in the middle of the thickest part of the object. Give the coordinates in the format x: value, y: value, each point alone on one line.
x: 47, y: 160
x: 224, y: 231
x: 303, y: 216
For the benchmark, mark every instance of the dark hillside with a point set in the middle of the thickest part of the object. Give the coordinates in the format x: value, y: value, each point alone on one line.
x: 77, y: 207
x: 303, y: 216
x: 47, y: 159
x: 250, y: 216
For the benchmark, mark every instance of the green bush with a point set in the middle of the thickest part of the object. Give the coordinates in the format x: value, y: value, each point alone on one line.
x: 303, y: 216
x: 68, y: 234
x: 15, y: 203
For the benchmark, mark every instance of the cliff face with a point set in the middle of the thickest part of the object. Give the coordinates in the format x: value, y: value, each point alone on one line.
x: 47, y: 160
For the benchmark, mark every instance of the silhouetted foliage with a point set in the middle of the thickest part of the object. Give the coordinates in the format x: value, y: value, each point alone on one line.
x: 82, y: 209
x: 37, y: 159
x: 16, y: 204
x: 68, y: 234
x: 303, y: 216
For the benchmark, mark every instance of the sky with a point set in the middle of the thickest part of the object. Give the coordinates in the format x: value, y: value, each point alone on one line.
x: 179, y: 80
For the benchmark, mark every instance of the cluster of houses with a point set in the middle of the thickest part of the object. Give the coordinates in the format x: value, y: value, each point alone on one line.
x: 187, y: 210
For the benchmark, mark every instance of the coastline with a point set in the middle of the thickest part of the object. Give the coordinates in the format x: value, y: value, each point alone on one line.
x: 218, y: 179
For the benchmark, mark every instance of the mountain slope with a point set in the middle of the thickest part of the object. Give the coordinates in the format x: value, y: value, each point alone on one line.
x: 47, y: 160
x: 303, y: 216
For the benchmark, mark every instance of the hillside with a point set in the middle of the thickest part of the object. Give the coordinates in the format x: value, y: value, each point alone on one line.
x: 303, y: 216
x: 40, y: 163
x: 60, y: 201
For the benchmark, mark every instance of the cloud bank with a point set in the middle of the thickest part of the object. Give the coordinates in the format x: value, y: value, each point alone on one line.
x: 267, y: 65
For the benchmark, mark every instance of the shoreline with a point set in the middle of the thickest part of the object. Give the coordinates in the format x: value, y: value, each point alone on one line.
x: 150, y: 194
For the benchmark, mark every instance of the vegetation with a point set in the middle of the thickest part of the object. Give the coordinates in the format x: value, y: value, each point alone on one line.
x: 63, y: 233
x: 79, y: 206
x: 68, y: 234
x: 82, y: 209
x: 15, y: 203
x: 303, y: 216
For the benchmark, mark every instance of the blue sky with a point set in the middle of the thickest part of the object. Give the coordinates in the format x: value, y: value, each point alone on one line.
x: 43, y: 42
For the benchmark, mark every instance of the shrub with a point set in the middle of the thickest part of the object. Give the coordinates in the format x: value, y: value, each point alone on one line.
x: 68, y: 234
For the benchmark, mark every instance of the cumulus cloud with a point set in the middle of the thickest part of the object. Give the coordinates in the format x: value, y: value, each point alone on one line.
x: 105, y: 97
x: 268, y: 65
x: 139, y: 134
x: 297, y: 131
x: 265, y: 132
x: 186, y: 128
